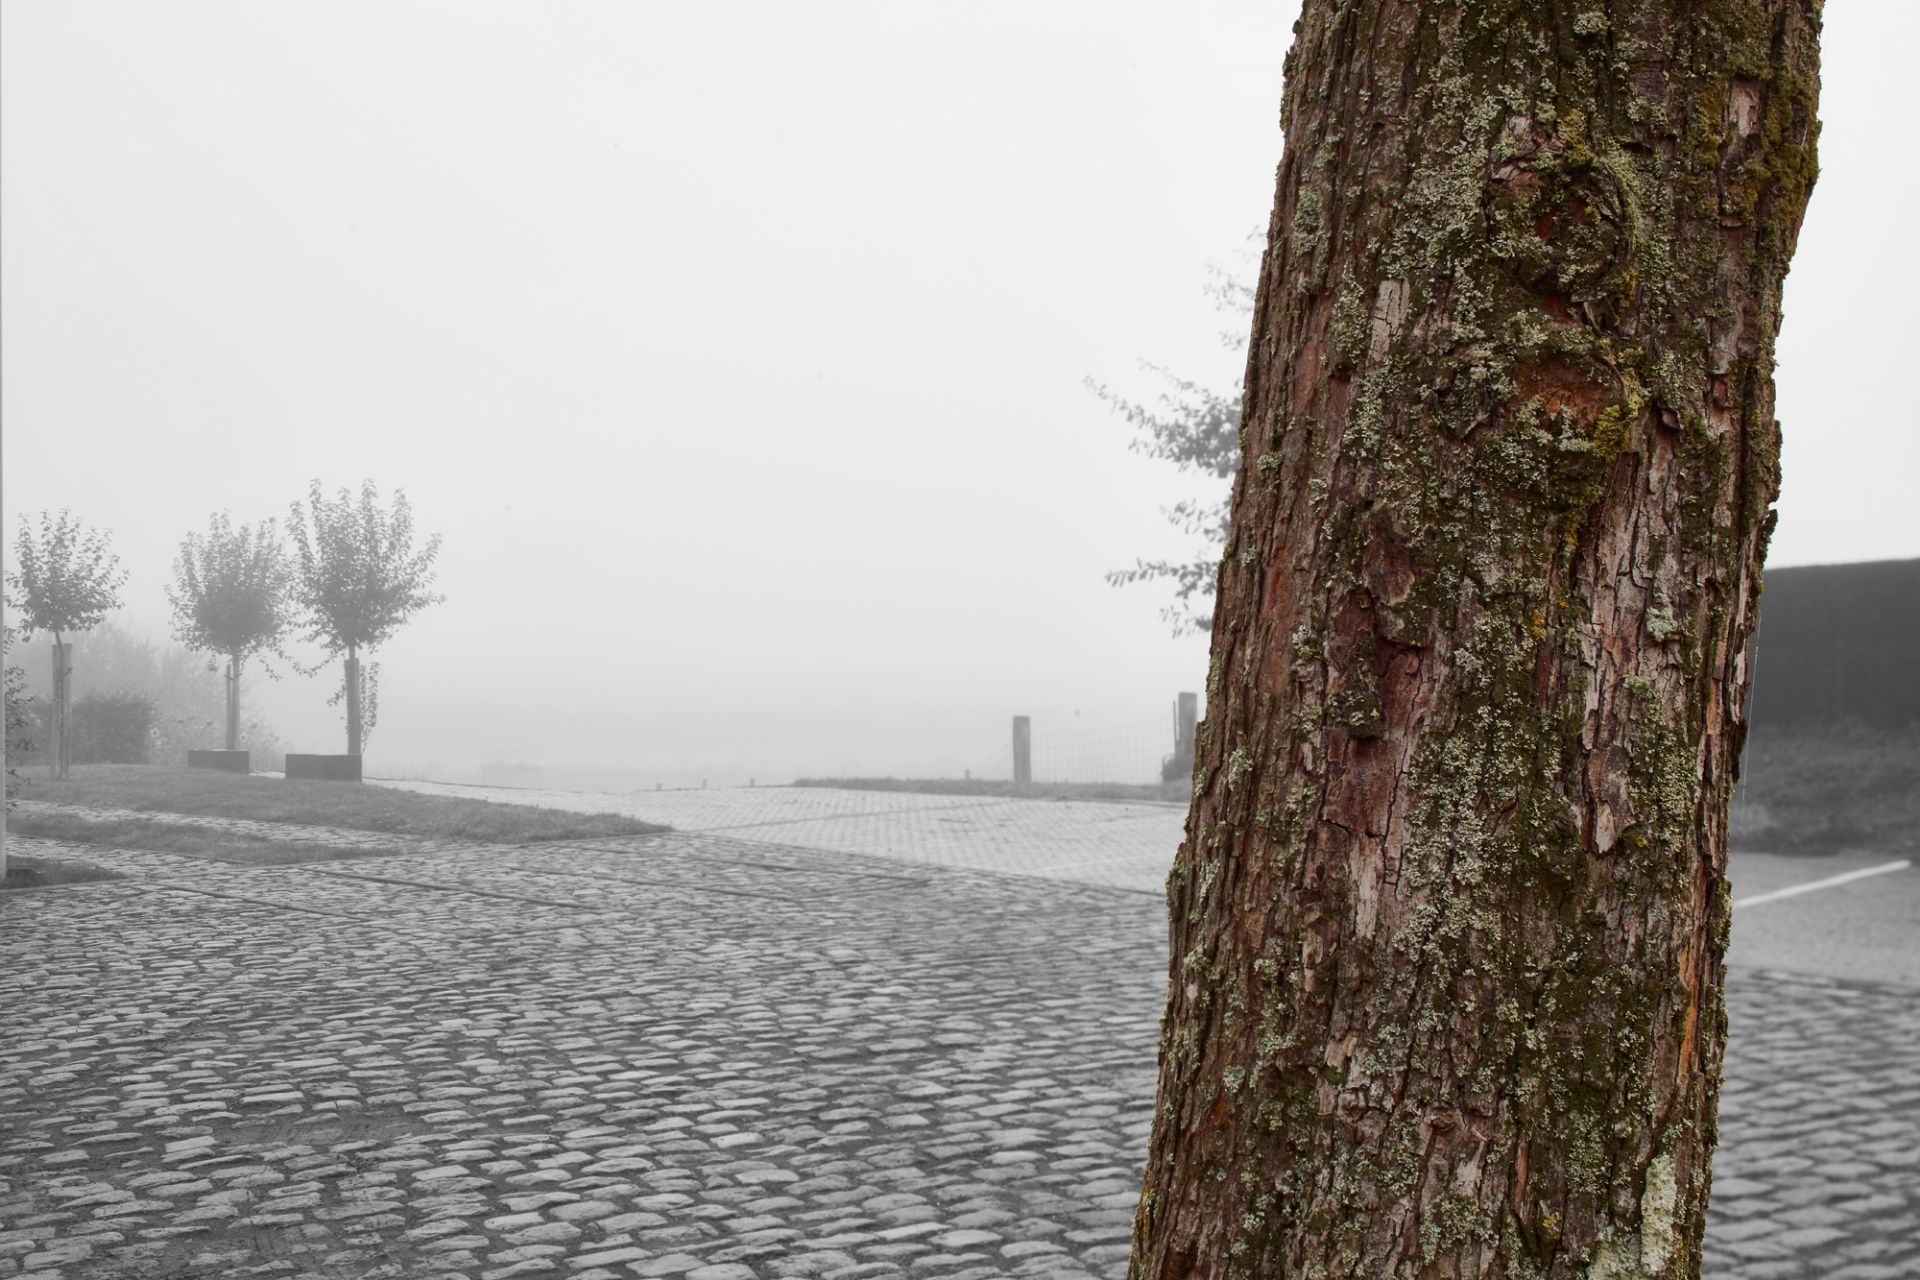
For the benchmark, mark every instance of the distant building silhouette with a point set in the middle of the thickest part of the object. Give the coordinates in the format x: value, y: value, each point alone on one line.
x: 1839, y: 642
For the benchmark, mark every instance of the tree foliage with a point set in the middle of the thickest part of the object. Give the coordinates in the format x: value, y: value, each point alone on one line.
x: 357, y: 576
x: 230, y: 591
x: 1197, y: 429
x: 68, y: 579
x: 20, y: 738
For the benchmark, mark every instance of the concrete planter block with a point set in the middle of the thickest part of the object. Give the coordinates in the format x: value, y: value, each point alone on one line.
x: 231, y: 761
x: 324, y: 768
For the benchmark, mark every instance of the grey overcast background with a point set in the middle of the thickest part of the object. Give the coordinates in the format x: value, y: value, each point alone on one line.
x: 736, y: 349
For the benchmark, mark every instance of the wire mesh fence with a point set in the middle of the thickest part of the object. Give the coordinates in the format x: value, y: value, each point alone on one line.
x: 1135, y: 752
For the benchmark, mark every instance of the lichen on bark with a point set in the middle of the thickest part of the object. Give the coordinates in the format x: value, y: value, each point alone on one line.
x: 1449, y: 918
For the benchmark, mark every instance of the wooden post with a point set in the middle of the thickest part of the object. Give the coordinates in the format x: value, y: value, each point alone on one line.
x: 1189, y: 723
x: 1022, y: 750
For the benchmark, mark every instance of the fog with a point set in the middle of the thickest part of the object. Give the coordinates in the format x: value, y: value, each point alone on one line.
x: 736, y: 351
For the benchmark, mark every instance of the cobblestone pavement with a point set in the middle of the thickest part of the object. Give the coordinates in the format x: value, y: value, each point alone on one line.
x: 701, y: 1055
x: 1122, y: 845
x: 1818, y: 1170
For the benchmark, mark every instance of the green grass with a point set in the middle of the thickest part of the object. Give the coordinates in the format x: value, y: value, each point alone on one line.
x: 1161, y: 792
x: 1827, y: 790
x: 156, y: 835
x: 39, y: 873
x: 354, y: 806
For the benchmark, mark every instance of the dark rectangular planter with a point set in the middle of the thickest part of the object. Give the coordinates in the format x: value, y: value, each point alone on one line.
x: 324, y: 768
x: 231, y: 761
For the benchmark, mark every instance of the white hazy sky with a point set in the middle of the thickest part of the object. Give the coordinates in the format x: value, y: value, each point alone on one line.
x: 736, y: 349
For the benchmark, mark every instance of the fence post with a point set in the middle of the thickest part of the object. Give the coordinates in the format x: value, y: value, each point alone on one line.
x: 1189, y: 722
x: 1022, y: 749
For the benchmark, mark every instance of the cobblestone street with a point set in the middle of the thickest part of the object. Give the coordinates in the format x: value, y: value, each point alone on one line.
x: 722, y: 1054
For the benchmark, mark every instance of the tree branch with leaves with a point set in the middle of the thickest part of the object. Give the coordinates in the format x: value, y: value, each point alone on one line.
x: 1197, y: 429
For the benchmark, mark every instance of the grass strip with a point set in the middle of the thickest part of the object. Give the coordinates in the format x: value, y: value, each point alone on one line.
x: 42, y: 873
x: 153, y: 835
x: 1841, y: 788
x: 353, y: 806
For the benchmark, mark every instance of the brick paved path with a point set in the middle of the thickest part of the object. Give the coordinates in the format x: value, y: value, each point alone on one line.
x: 700, y: 1055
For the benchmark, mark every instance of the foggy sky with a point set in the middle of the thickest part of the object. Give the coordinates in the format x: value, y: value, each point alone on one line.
x: 736, y: 350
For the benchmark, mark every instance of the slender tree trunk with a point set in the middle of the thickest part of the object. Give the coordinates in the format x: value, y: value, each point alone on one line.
x: 233, y: 703
x: 60, y: 749
x: 56, y: 731
x: 1448, y: 922
x: 353, y: 702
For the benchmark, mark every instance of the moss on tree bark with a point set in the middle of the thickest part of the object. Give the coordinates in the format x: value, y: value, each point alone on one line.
x: 1449, y: 919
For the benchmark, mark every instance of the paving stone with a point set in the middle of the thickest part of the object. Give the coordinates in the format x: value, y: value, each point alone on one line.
x: 695, y: 1053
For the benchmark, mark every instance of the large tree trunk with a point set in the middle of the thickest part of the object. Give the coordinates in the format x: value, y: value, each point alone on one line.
x: 1449, y: 918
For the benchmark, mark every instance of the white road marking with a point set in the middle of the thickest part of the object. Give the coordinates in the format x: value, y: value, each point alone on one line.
x: 1796, y: 889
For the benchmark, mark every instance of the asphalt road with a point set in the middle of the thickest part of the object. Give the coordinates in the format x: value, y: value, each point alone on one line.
x: 1866, y: 930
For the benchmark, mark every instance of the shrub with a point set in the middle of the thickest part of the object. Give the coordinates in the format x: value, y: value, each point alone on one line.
x: 21, y: 726
x: 113, y: 728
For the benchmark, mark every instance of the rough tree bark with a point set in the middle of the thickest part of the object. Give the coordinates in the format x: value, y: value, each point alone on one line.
x: 1448, y: 922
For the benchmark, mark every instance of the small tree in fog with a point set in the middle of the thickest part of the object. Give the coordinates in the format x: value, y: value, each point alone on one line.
x: 358, y: 579
x: 68, y: 580
x: 230, y: 596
